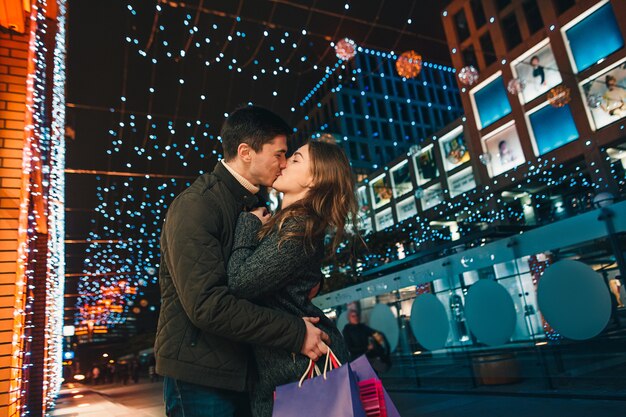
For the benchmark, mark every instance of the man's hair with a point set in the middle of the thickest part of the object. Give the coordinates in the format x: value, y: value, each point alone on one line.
x: 608, y: 79
x: 252, y: 125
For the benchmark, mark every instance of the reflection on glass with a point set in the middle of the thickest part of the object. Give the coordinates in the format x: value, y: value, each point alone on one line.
x: 453, y: 149
x: 406, y: 209
x: 595, y: 37
x: 381, y: 192
x: 606, y: 96
x: 552, y: 128
x: 401, y: 179
x: 505, y: 151
x: 461, y: 182
x: 426, y: 165
x: 432, y: 196
x: 538, y: 71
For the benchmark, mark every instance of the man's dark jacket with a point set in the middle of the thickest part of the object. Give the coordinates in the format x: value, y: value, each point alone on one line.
x: 204, y: 332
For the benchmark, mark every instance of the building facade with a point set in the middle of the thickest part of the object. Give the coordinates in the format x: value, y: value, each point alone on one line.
x: 376, y: 114
x: 508, y: 214
x: 32, y: 128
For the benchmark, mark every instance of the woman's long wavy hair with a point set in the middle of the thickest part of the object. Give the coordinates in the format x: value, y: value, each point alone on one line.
x: 329, y: 204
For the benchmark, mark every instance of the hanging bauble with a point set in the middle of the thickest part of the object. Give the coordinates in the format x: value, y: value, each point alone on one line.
x: 409, y: 64
x: 414, y: 149
x: 419, y: 193
x: 559, y: 96
x: 345, y: 49
x: 468, y: 75
x: 485, y: 158
x: 594, y: 101
x: 516, y: 86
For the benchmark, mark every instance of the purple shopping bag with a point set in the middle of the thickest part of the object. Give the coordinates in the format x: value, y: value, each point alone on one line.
x: 364, y: 371
x: 334, y: 394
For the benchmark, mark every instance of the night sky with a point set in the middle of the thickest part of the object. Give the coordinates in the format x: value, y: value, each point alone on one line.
x: 111, y: 53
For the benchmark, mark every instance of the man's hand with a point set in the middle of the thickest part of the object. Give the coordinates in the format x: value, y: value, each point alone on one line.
x: 262, y: 214
x: 315, y: 340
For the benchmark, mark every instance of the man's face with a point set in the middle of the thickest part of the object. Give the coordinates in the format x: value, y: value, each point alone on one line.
x: 611, y: 84
x: 266, y: 165
x: 353, y: 318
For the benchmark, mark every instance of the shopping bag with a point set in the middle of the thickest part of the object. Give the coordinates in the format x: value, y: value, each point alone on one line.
x: 363, y: 371
x: 335, y: 393
x: 372, y: 398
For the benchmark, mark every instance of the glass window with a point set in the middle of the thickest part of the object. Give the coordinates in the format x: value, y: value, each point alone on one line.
x: 381, y: 194
x: 489, y: 54
x: 533, y: 16
x: 504, y: 151
x: 491, y: 102
x: 605, y: 95
x: 552, y: 128
x: 401, y: 179
x: 425, y: 164
x: 461, y: 182
x: 365, y: 152
x: 453, y: 149
x: 501, y: 4
x: 469, y: 56
x: 478, y: 12
x: 462, y: 29
x: 384, y: 219
x: 538, y: 70
x: 510, y: 30
x: 406, y: 208
x: 594, y: 38
x: 432, y: 196
x: 562, y: 6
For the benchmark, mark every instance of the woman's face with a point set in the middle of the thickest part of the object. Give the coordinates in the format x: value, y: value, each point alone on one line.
x: 296, y: 177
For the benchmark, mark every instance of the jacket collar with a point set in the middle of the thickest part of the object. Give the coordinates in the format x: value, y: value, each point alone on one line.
x: 245, y: 197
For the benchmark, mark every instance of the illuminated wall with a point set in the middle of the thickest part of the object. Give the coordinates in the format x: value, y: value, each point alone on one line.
x: 32, y: 124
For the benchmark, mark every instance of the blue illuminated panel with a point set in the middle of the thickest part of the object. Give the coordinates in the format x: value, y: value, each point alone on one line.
x: 492, y: 102
x: 553, y: 127
x: 595, y: 37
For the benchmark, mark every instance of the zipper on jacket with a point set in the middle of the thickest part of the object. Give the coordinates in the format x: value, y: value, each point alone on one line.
x: 195, y: 332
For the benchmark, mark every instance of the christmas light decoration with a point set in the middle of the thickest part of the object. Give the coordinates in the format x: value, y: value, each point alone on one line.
x: 516, y: 86
x: 468, y: 75
x: 559, y: 96
x: 409, y: 64
x: 345, y: 49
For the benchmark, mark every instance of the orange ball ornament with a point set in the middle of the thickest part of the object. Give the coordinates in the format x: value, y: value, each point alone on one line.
x: 409, y: 64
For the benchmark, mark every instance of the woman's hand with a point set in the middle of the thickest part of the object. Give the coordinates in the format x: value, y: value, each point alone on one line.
x: 262, y: 214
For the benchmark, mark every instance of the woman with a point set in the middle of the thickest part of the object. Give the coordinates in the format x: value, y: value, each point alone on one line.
x: 276, y: 261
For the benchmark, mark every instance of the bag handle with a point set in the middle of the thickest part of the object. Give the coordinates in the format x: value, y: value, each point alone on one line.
x: 308, y: 374
x: 331, y: 362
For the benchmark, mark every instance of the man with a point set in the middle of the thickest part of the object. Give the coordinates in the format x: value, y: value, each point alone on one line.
x: 357, y: 335
x: 203, y: 333
x: 362, y: 339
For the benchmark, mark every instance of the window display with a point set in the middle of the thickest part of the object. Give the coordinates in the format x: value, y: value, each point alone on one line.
x: 381, y: 192
x: 461, y: 182
x: 490, y: 101
x: 454, y: 151
x: 537, y: 71
x: 384, y: 219
x: 432, y: 196
x: 401, y: 179
x: 406, y: 208
x: 593, y: 36
x: 426, y: 166
x: 552, y: 127
x: 605, y: 95
x: 504, y: 150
